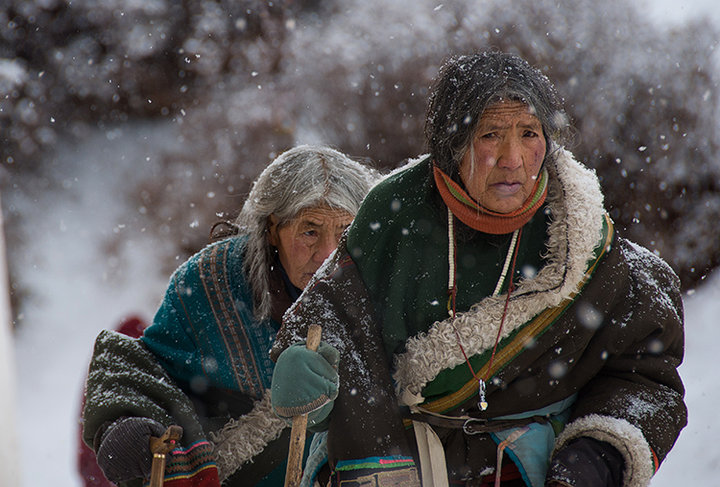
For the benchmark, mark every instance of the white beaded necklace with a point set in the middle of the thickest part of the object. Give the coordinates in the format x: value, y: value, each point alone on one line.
x: 452, y: 292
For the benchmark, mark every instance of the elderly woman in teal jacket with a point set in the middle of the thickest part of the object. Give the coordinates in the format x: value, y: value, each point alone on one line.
x: 203, y: 363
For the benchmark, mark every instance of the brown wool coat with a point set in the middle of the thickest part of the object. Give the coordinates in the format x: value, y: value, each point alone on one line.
x: 617, y: 345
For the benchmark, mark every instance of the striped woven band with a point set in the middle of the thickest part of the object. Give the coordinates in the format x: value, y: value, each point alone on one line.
x: 479, y: 218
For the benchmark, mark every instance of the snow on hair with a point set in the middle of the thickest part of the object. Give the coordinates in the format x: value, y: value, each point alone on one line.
x: 466, y: 85
x: 303, y: 177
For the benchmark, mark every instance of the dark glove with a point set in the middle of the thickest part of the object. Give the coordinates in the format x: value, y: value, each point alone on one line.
x: 306, y: 382
x: 124, y: 450
x: 586, y: 462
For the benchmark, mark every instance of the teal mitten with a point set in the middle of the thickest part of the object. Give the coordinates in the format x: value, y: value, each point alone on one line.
x: 306, y: 382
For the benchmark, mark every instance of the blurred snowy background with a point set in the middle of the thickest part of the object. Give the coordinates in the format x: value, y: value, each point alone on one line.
x: 128, y: 128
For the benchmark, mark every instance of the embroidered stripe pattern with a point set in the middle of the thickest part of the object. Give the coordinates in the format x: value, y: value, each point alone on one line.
x: 188, y: 466
x: 253, y: 332
x: 374, y: 463
x: 230, y: 326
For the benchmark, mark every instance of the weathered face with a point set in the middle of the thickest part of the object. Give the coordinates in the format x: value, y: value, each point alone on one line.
x: 503, y: 162
x: 307, y: 240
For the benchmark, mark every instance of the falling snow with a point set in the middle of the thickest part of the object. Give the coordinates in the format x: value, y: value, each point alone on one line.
x: 101, y: 204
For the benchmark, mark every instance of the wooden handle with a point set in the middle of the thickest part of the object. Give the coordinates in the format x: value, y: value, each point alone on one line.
x: 157, y: 474
x: 313, y: 337
x: 167, y: 442
x: 160, y: 447
x: 293, y: 474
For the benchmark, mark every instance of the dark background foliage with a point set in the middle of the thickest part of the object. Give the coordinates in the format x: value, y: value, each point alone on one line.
x: 245, y: 80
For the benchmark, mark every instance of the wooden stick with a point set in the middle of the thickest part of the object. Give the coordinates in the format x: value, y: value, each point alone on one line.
x: 293, y: 474
x: 160, y: 447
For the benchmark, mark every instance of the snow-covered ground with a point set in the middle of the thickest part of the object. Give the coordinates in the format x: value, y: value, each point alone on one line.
x: 8, y: 449
x: 76, y: 290
x: 695, y: 460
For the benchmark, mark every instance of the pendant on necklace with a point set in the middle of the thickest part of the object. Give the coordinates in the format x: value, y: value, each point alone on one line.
x: 482, y: 404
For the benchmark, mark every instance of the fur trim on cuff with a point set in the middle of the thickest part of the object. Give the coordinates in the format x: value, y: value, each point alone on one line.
x: 628, y: 440
x: 239, y: 441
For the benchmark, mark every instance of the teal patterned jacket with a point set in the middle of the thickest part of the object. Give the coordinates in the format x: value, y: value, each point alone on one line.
x: 204, y: 333
x: 203, y: 364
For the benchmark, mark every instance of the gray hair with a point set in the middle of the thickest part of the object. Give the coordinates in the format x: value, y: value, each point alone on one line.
x: 466, y: 85
x: 303, y: 177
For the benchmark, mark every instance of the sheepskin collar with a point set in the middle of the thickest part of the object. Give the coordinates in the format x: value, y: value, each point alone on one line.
x: 575, y: 229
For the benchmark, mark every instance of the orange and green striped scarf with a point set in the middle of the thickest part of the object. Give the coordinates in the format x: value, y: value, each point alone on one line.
x: 468, y: 211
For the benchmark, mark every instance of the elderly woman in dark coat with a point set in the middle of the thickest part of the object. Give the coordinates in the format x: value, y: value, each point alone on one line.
x: 203, y: 363
x: 491, y: 325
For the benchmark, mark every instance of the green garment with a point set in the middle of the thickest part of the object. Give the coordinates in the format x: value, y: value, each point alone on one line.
x: 402, y: 256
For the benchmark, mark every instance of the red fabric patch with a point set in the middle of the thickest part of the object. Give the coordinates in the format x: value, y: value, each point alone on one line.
x: 207, y: 477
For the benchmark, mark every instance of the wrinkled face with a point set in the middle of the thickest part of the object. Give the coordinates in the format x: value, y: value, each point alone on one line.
x: 307, y: 240
x: 502, y: 164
